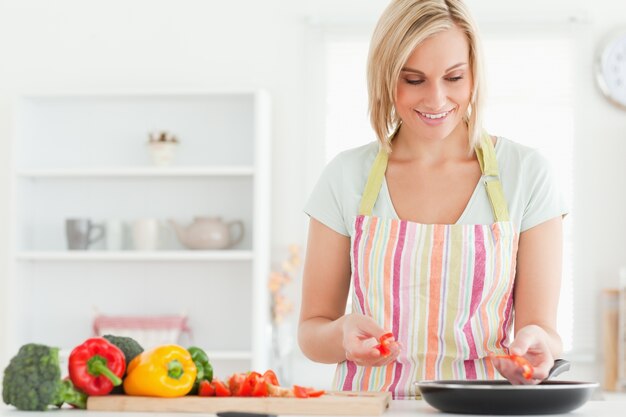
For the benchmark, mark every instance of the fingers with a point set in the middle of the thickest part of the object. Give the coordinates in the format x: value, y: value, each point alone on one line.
x: 510, y: 370
x: 368, y: 327
x: 364, y: 358
x: 365, y: 353
x: 530, y: 349
x: 542, y: 370
x: 361, y: 340
x: 361, y: 351
x: 522, y: 342
x: 395, y: 348
x: 531, y: 343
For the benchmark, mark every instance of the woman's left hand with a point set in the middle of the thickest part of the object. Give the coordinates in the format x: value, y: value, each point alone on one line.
x: 532, y: 344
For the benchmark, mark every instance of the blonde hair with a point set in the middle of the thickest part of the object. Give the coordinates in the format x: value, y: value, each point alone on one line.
x: 403, y: 25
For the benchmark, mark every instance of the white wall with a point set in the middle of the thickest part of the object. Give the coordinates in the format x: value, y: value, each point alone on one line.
x: 160, y: 45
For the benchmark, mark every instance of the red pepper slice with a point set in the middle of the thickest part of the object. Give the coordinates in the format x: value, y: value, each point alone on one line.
x: 221, y: 389
x: 235, y: 381
x: 248, y: 384
x: 270, y: 376
x: 383, y: 344
x: 307, y: 392
x: 96, y: 366
x: 527, y: 368
x: 261, y: 389
x: 263, y: 382
x: 315, y: 393
x: 206, y: 389
x: 300, y: 392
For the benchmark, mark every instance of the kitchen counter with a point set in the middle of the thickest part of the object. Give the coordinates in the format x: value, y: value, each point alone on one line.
x: 613, y: 407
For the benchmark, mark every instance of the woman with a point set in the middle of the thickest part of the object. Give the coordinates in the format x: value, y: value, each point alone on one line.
x: 449, y: 238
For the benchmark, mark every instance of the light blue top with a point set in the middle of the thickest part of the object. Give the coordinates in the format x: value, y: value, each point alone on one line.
x: 530, y: 189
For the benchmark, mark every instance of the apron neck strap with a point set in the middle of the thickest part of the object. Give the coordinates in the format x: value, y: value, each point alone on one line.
x: 486, y: 155
x: 374, y: 183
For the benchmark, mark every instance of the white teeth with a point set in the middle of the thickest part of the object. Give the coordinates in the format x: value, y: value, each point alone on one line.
x: 434, y: 116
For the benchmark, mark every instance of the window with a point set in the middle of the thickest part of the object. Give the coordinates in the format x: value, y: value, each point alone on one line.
x: 535, y: 106
x: 530, y: 101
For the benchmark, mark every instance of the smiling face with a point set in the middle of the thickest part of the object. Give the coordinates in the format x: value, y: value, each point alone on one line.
x: 435, y: 86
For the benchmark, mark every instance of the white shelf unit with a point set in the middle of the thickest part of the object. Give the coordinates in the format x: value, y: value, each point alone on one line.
x: 138, y: 172
x: 137, y: 256
x: 85, y: 155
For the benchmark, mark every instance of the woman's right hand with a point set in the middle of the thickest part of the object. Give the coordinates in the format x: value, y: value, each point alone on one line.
x: 361, y: 336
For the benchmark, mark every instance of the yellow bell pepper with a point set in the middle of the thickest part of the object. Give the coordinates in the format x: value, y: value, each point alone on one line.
x: 165, y: 371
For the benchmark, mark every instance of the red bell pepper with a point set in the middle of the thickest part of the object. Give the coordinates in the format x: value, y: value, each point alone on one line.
x: 383, y: 344
x: 96, y: 366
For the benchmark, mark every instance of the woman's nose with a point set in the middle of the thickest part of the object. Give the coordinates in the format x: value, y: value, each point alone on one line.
x: 435, y: 97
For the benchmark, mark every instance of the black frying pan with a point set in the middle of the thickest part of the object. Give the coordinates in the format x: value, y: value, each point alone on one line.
x: 500, y: 397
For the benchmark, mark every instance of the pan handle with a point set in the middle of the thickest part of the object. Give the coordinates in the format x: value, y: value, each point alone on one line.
x: 560, y: 366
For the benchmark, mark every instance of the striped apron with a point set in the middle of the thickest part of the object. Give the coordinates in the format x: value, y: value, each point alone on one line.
x: 445, y: 291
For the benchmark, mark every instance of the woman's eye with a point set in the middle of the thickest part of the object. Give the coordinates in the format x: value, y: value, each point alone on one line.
x: 455, y: 79
x: 414, y: 82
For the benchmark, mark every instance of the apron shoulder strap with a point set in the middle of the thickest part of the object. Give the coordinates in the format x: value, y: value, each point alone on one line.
x: 374, y: 182
x: 489, y: 166
x: 486, y: 155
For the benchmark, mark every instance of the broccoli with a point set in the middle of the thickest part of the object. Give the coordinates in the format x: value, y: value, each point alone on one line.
x: 130, y: 347
x: 32, y: 380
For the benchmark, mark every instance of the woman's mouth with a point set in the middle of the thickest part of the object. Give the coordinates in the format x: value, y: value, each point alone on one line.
x: 434, y: 119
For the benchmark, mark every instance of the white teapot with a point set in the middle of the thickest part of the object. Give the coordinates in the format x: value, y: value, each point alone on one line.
x: 209, y: 233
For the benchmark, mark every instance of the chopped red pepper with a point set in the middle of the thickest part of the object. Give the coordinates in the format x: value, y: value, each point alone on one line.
x: 527, y: 368
x: 261, y: 389
x: 253, y: 384
x: 247, y: 386
x: 221, y: 389
x: 300, y: 392
x: 206, y: 389
x: 235, y: 381
x: 307, y: 392
x: 271, y: 377
x: 263, y: 382
x: 383, y: 344
x: 96, y: 366
x: 316, y: 393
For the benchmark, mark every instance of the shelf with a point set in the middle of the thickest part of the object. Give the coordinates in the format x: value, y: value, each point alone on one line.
x: 84, y: 156
x: 138, y: 172
x: 131, y: 256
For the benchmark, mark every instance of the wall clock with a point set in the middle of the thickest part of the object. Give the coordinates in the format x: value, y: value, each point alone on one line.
x: 610, y: 68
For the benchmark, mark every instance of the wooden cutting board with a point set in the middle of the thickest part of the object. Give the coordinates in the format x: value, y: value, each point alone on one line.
x: 332, y: 403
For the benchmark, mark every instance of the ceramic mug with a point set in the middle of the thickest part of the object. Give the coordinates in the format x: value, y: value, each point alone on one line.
x: 81, y: 233
x: 146, y: 234
x: 114, y: 238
